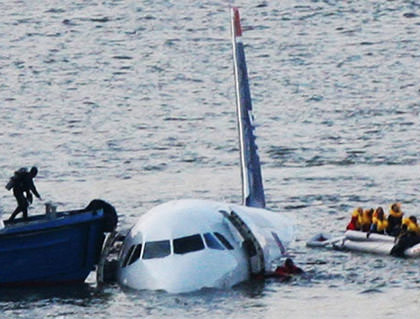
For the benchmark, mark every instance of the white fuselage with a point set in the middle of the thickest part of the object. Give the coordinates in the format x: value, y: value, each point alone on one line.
x: 180, y: 246
x: 183, y: 272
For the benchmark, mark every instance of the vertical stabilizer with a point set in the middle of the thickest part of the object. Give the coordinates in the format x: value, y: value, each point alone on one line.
x: 252, y: 186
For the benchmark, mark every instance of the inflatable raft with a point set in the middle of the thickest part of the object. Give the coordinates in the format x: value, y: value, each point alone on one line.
x: 357, y: 241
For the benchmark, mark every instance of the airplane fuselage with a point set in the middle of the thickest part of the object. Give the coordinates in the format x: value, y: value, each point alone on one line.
x: 182, y: 246
x: 190, y: 244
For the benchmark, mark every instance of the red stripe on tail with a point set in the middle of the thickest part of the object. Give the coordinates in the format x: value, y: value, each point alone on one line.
x: 238, y: 29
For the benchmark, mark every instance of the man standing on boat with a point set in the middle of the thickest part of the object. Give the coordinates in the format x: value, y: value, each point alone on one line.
x: 23, y: 184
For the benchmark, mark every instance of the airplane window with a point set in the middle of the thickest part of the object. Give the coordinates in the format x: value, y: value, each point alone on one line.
x: 135, y: 255
x: 130, y: 250
x: 156, y: 249
x: 188, y: 244
x: 212, y: 242
x: 224, y: 241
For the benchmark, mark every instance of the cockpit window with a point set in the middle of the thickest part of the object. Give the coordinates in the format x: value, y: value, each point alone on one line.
x: 224, y: 241
x: 212, y: 242
x: 135, y: 255
x: 156, y: 249
x: 127, y: 256
x: 188, y: 244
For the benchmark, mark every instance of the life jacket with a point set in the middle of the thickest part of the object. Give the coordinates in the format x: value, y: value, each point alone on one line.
x: 394, y: 221
x: 365, y: 220
x: 381, y: 225
x: 17, y: 178
x: 395, y: 214
x: 411, y: 226
x: 354, y: 222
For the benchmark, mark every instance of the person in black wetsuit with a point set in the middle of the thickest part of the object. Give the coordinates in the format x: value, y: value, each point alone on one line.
x: 408, y: 237
x: 24, y: 186
x: 394, y: 219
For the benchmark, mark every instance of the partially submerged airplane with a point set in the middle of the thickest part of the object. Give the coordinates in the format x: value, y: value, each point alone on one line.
x: 190, y: 244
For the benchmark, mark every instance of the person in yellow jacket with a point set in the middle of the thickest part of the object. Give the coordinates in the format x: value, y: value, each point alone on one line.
x: 379, y: 222
x: 394, y: 219
x: 354, y: 223
x: 409, y: 236
x: 365, y: 220
x: 410, y: 225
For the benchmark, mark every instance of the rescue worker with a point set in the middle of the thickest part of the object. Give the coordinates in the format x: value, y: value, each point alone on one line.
x: 379, y: 222
x: 365, y: 220
x: 24, y: 186
x: 354, y: 223
x: 408, y: 237
x: 410, y: 225
x: 394, y: 219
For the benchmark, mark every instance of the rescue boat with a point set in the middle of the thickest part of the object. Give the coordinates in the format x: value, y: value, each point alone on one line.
x: 358, y: 241
x: 54, y: 248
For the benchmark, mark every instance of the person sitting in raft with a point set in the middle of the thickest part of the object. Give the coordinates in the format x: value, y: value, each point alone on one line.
x: 365, y: 220
x: 354, y: 223
x: 408, y: 237
x: 394, y: 219
x: 379, y: 222
x: 410, y: 225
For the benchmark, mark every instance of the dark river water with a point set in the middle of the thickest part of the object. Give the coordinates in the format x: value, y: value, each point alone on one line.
x: 133, y: 102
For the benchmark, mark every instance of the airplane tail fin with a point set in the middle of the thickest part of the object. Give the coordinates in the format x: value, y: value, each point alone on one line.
x: 252, y: 185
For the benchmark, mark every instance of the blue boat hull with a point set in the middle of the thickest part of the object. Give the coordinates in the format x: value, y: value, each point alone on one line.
x: 43, y: 251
